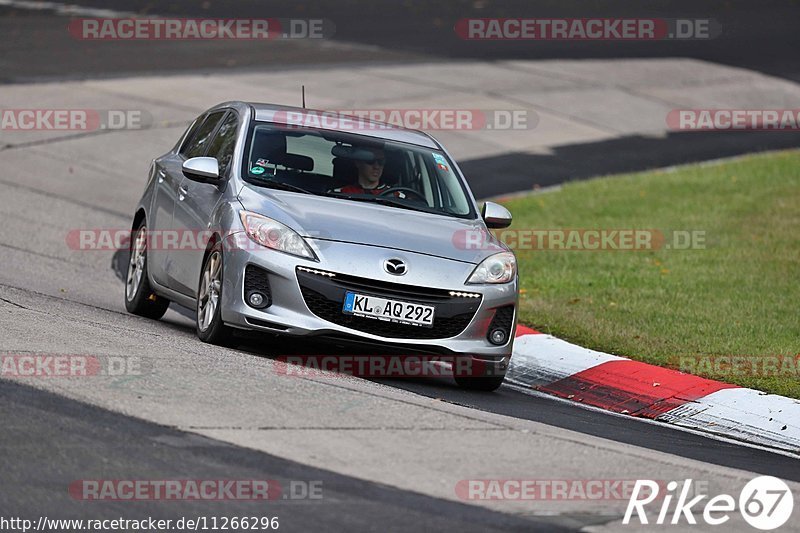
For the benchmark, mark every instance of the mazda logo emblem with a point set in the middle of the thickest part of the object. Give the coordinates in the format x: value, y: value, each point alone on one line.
x: 395, y: 267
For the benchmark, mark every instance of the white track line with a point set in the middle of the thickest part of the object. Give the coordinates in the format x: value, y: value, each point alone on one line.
x: 68, y: 9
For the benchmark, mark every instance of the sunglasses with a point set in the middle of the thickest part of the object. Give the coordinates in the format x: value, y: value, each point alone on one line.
x: 380, y: 161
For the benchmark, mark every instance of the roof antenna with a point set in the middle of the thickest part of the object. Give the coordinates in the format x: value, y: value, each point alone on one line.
x: 303, y: 90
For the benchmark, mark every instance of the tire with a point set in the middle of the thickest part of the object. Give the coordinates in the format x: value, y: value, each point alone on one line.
x: 139, y: 296
x: 480, y: 375
x: 483, y: 383
x: 208, y: 323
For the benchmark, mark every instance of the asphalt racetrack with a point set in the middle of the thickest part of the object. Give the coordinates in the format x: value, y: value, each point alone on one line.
x: 388, y: 454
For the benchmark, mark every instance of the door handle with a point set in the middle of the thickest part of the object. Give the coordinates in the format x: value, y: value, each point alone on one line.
x: 182, y: 193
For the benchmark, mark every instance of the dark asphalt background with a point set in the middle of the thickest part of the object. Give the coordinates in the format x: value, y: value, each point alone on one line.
x: 758, y: 35
x: 63, y: 441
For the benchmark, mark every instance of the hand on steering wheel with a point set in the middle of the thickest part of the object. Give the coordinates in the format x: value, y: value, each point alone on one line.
x: 393, y: 190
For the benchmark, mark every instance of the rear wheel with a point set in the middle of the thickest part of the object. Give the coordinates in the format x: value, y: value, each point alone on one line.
x: 209, y: 301
x: 139, y: 296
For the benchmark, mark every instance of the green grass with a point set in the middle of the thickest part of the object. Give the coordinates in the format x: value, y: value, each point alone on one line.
x: 738, y: 296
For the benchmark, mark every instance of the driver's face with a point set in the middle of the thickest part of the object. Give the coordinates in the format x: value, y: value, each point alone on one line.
x: 372, y: 171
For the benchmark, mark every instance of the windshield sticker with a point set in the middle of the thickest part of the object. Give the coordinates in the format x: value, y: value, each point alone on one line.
x: 442, y: 166
x: 257, y: 170
x: 262, y: 162
x: 439, y: 158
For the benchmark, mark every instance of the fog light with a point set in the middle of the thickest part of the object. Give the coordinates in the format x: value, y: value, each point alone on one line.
x: 257, y: 300
x: 498, y: 336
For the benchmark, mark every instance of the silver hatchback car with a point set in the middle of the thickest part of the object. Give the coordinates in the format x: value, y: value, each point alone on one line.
x: 305, y: 223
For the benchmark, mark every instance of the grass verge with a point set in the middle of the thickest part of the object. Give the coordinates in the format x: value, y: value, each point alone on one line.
x: 727, y: 308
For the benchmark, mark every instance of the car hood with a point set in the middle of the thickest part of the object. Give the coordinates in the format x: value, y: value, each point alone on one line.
x: 334, y: 219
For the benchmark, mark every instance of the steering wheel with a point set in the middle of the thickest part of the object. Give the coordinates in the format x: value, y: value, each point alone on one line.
x: 393, y: 190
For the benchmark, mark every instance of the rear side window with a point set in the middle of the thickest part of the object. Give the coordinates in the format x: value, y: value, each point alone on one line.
x: 316, y: 148
x: 224, y: 142
x: 197, y: 146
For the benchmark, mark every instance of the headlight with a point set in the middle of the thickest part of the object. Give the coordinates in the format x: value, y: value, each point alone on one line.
x: 498, y: 268
x: 273, y: 234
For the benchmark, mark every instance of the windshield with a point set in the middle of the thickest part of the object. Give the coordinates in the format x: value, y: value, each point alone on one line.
x: 354, y: 168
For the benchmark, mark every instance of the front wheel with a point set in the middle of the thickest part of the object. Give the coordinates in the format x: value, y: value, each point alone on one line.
x: 480, y: 374
x: 209, y: 301
x: 139, y: 296
x: 482, y: 383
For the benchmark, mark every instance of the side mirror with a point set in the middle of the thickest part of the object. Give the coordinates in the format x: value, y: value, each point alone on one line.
x: 202, y: 169
x: 495, y: 216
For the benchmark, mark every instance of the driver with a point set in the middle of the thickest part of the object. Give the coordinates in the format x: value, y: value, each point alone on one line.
x: 369, y: 176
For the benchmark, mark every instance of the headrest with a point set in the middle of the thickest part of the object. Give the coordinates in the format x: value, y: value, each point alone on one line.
x: 344, y: 169
x: 268, y: 145
x: 295, y: 161
x: 352, y: 152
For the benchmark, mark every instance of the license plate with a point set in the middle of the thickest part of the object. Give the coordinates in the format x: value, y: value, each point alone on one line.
x: 389, y: 310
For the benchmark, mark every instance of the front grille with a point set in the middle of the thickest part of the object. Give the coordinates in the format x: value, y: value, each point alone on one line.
x: 324, y: 296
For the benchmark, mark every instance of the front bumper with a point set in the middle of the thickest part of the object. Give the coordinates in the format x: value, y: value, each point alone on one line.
x: 308, y: 304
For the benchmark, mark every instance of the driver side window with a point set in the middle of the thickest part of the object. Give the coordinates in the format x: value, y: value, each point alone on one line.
x: 197, y: 146
x: 187, y: 136
x: 224, y: 142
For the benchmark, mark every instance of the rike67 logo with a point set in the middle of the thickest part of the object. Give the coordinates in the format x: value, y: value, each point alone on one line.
x: 766, y: 503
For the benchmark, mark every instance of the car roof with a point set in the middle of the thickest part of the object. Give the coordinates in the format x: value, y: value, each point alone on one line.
x: 298, y: 116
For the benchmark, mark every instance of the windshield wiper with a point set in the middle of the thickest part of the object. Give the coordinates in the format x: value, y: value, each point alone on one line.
x: 391, y: 201
x: 383, y: 200
x: 280, y: 185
